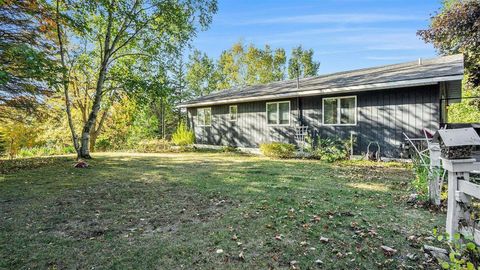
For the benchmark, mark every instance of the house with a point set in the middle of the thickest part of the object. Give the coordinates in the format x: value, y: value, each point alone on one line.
x: 374, y: 105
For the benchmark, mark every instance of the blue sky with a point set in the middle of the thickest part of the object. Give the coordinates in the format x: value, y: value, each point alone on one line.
x: 345, y: 34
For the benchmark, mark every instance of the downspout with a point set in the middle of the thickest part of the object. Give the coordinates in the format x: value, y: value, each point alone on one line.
x: 299, y: 103
x: 300, y: 111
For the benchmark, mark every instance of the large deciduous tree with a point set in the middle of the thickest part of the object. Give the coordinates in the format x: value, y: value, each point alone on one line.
x: 115, y: 29
x: 201, y: 76
x: 27, y: 68
x: 301, y: 64
x: 456, y: 29
x: 249, y: 65
x: 264, y: 65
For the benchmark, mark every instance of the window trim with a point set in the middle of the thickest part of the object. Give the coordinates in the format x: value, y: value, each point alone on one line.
x: 211, y: 116
x: 230, y: 113
x: 278, y: 115
x: 338, y: 111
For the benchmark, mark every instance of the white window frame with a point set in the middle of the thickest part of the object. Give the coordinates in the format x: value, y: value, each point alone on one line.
x: 211, y: 117
x: 230, y: 113
x: 278, y: 112
x: 339, y: 110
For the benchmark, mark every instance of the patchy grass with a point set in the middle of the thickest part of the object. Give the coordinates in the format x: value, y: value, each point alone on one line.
x: 172, y: 211
x: 12, y: 165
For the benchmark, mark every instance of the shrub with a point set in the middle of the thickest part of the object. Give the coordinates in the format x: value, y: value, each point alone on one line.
x: 420, y: 182
x: 229, y: 149
x: 69, y: 149
x: 41, y: 151
x: 278, y: 150
x: 154, y: 146
x: 463, y: 253
x: 331, y: 150
x: 183, y: 136
x: 103, y: 144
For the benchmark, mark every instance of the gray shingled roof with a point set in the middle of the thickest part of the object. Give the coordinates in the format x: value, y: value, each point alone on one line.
x: 430, y: 71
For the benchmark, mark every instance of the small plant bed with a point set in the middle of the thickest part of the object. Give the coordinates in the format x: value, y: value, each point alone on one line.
x: 211, y: 211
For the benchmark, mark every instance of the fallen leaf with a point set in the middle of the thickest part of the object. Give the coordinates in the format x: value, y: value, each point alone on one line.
x: 234, y: 237
x: 219, y: 251
x: 278, y: 237
x: 324, y: 239
x: 241, y: 256
x: 388, y: 251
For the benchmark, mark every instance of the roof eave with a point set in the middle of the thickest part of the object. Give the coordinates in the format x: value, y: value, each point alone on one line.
x: 315, y: 92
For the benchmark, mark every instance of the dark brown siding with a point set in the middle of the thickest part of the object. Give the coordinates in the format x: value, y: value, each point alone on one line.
x: 382, y: 116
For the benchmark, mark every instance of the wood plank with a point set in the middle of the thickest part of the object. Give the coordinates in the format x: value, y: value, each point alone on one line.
x: 452, y: 205
x: 469, y: 231
x: 469, y: 188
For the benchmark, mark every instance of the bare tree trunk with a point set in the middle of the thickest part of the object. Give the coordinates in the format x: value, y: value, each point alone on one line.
x: 65, y: 83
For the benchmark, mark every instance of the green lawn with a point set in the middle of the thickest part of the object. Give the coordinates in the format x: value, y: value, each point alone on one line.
x: 170, y: 211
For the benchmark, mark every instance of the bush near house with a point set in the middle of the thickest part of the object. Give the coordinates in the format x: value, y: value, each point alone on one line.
x: 330, y: 150
x: 183, y: 136
x: 154, y: 146
x: 278, y: 150
x: 229, y: 149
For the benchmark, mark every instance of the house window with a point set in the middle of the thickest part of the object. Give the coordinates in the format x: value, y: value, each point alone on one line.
x: 204, y: 116
x: 340, y: 111
x: 278, y: 113
x: 233, y: 113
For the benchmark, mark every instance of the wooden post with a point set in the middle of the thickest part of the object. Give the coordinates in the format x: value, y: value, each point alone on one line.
x: 452, y: 205
x: 434, y: 177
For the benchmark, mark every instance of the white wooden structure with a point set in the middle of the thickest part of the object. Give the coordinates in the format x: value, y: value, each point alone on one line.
x: 301, y: 133
x: 460, y: 189
x: 460, y: 193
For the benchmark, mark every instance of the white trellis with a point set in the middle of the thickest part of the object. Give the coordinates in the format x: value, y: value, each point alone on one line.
x: 301, y: 133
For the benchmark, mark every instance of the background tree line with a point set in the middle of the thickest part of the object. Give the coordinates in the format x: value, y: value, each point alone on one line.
x: 243, y: 65
x: 109, y: 74
x: 77, y: 75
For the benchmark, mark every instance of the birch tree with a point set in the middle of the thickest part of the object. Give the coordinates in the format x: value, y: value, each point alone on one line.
x: 115, y: 29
